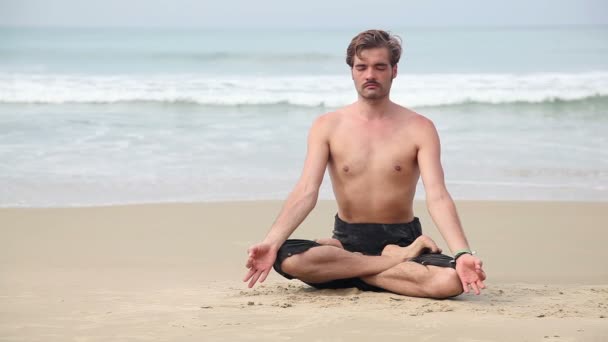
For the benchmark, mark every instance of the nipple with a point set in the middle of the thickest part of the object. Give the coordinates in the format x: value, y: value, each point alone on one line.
x: 397, y: 168
x: 345, y: 168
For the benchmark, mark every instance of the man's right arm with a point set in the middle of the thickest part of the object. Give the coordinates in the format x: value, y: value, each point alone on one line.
x: 303, y: 198
x: 298, y: 205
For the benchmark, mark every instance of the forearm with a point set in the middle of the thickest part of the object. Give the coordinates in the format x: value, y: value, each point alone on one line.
x: 297, y: 206
x: 444, y: 214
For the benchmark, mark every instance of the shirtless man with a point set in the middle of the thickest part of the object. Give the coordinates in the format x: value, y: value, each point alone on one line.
x: 376, y: 151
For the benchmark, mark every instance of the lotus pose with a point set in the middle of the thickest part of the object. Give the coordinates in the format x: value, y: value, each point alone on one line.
x: 375, y: 151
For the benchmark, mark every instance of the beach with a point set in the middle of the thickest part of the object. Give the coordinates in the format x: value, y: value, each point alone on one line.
x: 173, y: 272
x: 137, y: 165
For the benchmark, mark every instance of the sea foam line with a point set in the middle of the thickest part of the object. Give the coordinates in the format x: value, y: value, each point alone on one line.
x: 328, y: 90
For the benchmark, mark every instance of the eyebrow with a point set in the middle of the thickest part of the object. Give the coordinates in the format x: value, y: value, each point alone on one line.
x: 377, y: 64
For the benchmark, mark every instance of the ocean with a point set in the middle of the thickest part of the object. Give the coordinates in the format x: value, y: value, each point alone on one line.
x: 117, y: 116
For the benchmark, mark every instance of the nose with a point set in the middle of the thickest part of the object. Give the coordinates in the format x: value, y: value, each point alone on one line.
x: 370, y: 74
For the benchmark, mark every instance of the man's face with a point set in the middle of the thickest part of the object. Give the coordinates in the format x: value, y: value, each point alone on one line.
x: 373, y: 74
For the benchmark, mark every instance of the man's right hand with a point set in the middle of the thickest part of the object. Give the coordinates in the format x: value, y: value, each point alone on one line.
x: 260, y: 261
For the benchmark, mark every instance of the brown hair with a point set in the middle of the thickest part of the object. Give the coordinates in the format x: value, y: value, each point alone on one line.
x: 371, y: 39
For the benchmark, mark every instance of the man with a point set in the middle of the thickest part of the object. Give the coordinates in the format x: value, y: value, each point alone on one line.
x: 375, y: 151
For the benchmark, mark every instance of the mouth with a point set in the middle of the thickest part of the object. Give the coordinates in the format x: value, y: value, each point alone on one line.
x: 371, y: 85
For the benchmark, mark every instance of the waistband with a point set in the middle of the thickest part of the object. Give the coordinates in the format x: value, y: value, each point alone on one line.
x: 339, y: 222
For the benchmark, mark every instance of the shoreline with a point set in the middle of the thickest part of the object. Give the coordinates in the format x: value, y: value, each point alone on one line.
x: 271, y: 200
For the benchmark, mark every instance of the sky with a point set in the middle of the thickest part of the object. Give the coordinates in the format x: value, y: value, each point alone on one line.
x: 302, y: 14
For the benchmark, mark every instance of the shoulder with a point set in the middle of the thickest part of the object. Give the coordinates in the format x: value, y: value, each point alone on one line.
x: 322, y: 126
x: 418, y: 126
x: 416, y: 121
x: 328, y: 121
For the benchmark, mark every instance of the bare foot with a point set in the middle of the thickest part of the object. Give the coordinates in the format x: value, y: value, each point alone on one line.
x: 423, y: 244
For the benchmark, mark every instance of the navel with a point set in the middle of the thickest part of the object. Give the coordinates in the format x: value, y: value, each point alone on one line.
x: 397, y: 168
x: 345, y: 168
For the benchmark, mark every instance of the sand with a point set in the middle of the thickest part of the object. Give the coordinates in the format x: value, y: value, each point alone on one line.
x: 172, y: 272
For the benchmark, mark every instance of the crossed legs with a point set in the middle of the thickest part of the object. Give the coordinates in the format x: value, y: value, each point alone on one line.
x: 390, y: 271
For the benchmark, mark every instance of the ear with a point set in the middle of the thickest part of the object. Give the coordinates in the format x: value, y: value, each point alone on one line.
x: 395, y: 71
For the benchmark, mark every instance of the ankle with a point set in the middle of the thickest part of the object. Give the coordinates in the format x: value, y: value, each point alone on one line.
x: 392, y: 260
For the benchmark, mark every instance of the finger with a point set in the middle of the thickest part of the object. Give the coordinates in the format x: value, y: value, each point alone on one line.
x: 481, y: 274
x: 255, y: 278
x: 465, y: 287
x: 249, y: 263
x: 481, y: 285
x: 264, y: 275
x: 249, y: 274
x: 478, y: 264
x: 475, y: 288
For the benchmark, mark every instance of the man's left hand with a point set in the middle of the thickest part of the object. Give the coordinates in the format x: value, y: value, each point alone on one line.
x: 470, y: 272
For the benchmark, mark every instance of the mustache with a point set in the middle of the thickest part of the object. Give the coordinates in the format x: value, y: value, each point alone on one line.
x: 370, y: 83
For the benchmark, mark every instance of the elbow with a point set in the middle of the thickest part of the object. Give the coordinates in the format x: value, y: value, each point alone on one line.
x: 308, y: 195
x: 436, y: 196
x: 312, y: 197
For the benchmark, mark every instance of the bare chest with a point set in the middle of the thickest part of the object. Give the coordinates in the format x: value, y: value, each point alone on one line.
x: 372, y: 152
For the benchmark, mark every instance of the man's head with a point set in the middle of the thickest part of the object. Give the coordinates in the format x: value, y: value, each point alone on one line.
x: 372, y: 39
x: 373, y: 56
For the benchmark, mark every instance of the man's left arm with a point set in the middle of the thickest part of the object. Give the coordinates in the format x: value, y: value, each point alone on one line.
x: 442, y: 208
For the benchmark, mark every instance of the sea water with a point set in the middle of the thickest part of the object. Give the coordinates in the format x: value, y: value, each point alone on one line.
x: 114, y: 116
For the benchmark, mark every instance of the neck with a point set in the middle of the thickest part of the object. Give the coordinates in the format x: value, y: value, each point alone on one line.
x: 373, y: 109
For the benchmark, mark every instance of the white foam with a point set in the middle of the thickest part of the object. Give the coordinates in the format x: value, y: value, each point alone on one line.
x: 331, y: 91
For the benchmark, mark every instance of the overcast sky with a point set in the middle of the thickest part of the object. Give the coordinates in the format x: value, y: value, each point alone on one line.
x: 304, y: 13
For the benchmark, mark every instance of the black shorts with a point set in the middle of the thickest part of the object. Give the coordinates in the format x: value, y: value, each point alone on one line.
x: 365, y: 238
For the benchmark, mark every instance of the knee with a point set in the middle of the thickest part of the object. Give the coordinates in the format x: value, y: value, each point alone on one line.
x: 445, y: 284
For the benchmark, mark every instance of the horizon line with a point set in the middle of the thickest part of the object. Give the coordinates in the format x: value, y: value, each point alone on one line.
x: 193, y: 27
